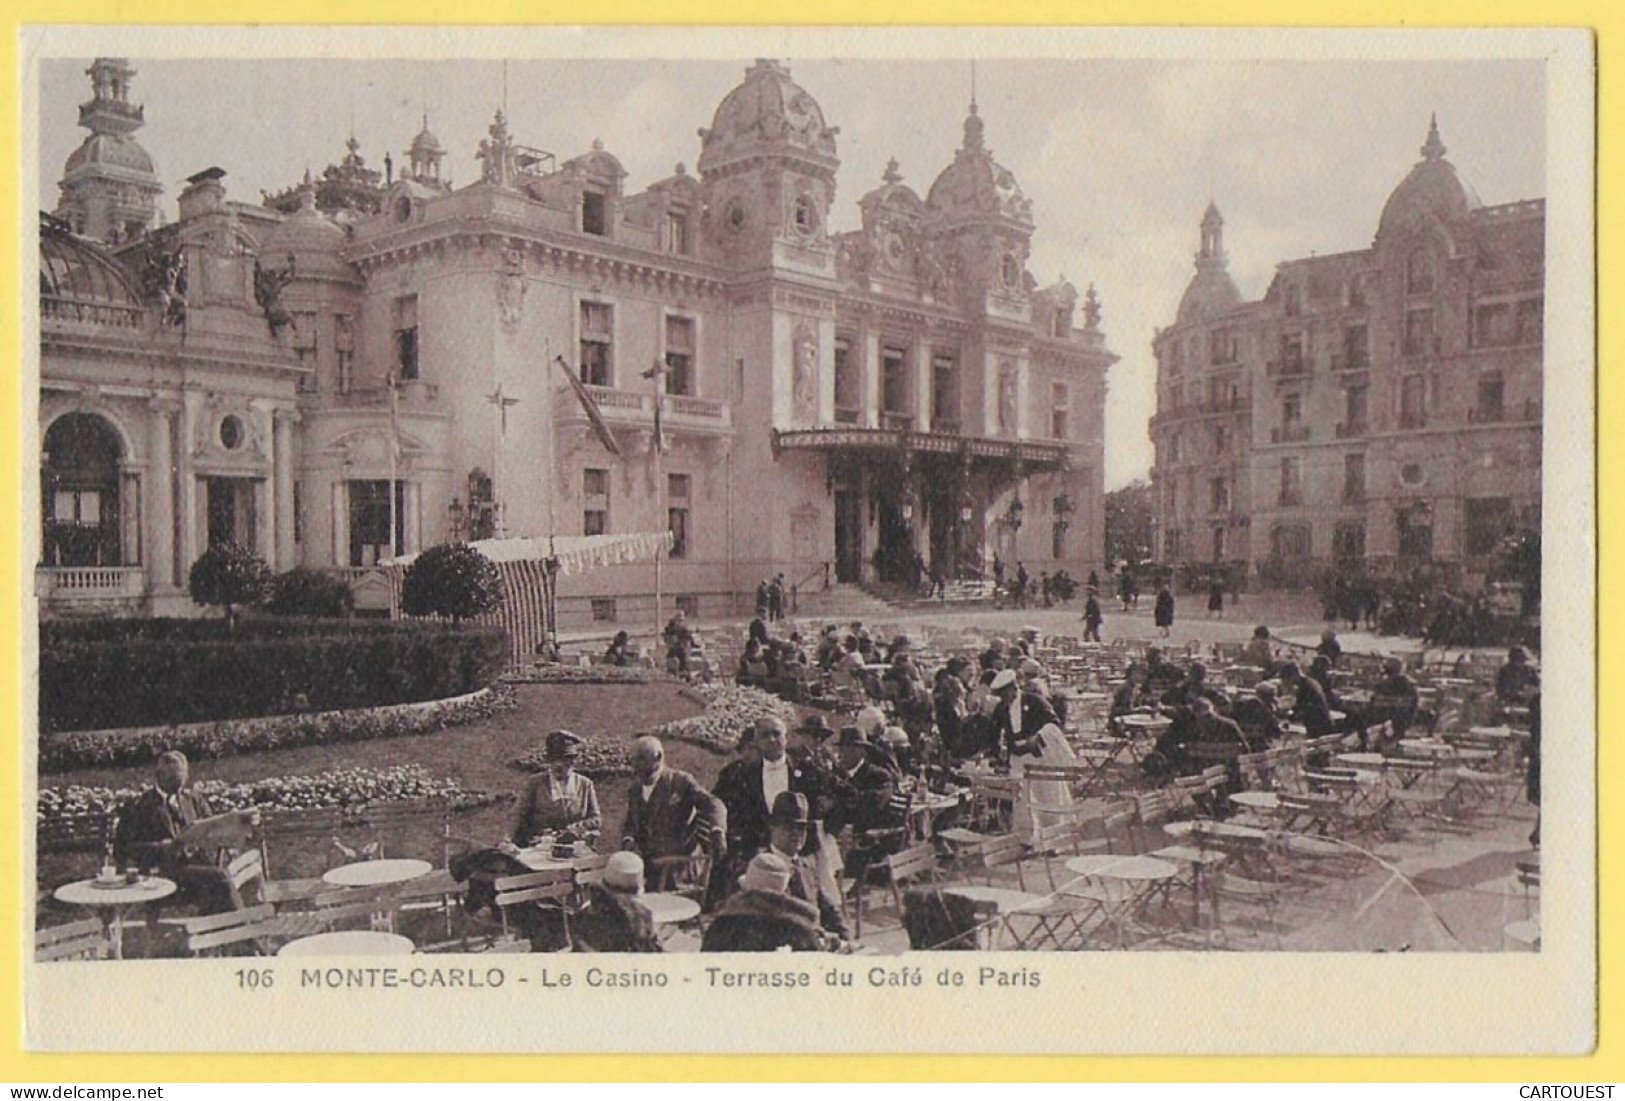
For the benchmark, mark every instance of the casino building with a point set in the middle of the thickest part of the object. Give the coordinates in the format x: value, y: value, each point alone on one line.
x: 830, y: 404
x: 1375, y: 411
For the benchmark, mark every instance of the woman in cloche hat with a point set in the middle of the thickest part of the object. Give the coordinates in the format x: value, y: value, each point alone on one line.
x: 560, y: 799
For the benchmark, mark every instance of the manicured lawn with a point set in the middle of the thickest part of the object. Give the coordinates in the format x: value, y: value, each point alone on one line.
x: 476, y: 756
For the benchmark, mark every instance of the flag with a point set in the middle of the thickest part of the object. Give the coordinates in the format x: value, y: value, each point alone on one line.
x: 599, y: 425
x: 657, y: 372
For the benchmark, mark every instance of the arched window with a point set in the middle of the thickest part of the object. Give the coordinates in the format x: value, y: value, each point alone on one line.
x: 80, y: 492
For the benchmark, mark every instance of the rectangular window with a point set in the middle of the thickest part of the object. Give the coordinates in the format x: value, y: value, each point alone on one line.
x: 1218, y: 544
x: 680, y: 355
x: 1173, y: 448
x: 298, y: 512
x: 1348, y: 542
x: 344, y: 346
x: 1490, y: 406
x: 603, y: 610
x: 689, y: 605
x: 1492, y: 325
x: 1355, y: 410
x: 1488, y: 521
x: 1291, y: 410
x: 1531, y: 321
x: 369, y: 521
x: 1418, y: 332
x: 1222, y: 346
x: 677, y: 524
x: 944, y: 395
x: 677, y: 232
x: 1060, y: 406
x: 1218, y: 495
x: 1419, y: 273
x: 1354, y: 477
x: 1291, y: 482
x: 848, y: 399
x: 406, y: 337
x: 595, y: 502
x: 597, y: 343
x: 1413, y: 401
x: 593, y: 213
x: 1221, y: 440
x: 1292, y: 362
x: 1292, y: 299
x: 894, y: 389
x: 1356, y: 291
x: 1356, y: 347
x: 679, y: 488
x: 1289, y: 542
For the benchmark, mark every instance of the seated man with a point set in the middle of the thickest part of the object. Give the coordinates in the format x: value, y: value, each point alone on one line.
x: 618, y: 652
x: 861, y: 803
x: 612, y: 919
x: 1257, y: 717
x: 148, y: 836
x: 789, y: 827
x: 762, y: 916
x: 668, y: 814
x: 1516, y: 680
x: 1394, y: 700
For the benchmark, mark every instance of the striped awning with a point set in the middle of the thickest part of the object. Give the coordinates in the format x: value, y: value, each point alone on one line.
x: 522, y: 564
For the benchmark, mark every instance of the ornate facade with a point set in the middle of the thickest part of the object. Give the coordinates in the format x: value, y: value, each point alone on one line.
x: 267, y: 372
x: 1377, y: 410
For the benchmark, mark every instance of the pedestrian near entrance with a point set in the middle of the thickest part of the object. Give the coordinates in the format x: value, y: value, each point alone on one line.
x: 1215, y: 598
x: 1163, y: 613
x: 1091, y: 617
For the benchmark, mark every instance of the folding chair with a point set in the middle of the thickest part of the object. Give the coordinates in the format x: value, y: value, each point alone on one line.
x: 85, y: 939
x: 684, y: 875
x: 258, y: 925
x: 920, y: 861
x: 551, y: 890
x: 1263, y: 893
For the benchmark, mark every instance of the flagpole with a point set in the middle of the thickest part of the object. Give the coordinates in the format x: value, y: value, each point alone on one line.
x: 549, y: 579
x: 394, y: 459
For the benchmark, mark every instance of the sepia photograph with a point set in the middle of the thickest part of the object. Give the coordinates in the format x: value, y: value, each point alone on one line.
x: 1056, y: 506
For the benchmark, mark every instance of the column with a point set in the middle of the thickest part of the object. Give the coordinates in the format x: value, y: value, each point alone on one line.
x: 412, y: 533
x: 341, y: 526
x: 188, y: 519
x: 868, y: 349
x: 283, y: 421
x: 919, y: 373
x: 160, y: 494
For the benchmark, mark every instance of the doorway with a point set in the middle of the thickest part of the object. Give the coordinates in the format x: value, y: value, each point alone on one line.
x: 848, y: 535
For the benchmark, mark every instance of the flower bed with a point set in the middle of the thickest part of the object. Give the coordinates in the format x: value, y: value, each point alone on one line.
x: 586, y: 674
x: 95, y: 675
x: 115, y: 748
x: 728, y: 712
x: 344, y: 787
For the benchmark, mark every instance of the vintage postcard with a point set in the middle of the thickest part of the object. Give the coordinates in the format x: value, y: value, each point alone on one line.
x: 969, y: 540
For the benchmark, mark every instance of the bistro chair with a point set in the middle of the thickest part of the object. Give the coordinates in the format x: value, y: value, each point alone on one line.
x: 85, y: 939
x: 899, y: 869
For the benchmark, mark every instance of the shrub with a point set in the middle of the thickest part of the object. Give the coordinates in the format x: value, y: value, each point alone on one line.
x: 230, y: 577
x: 132, y: 748
x: 305, y: 592
x: 103, y: 678
x: 452, y: 580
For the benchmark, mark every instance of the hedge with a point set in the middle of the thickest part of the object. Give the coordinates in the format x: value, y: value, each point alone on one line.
x: 100, y: 674
x: 127, y: 748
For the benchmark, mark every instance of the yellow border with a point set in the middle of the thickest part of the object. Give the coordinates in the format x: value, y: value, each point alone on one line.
x: 1604, y: 17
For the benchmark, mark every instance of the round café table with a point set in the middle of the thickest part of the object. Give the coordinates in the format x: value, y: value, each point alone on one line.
x: 115, y: 898
x: 1001, y: 900
x: 376, y: 873
x: 1138, y: 875
x: 350, y: 942
x: 542, y: 860
x: 670, y: 909
x: 1256, y: 800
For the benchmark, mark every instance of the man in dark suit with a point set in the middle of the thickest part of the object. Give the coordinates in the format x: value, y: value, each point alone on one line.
x: 668, y: 813
x: 1017, y: 715
x: 789, y: 825
x: 148, y: 832
x: 1310, y: 707
x: 861, y: 803
x: 1257, y: 717
x: 748, y: 792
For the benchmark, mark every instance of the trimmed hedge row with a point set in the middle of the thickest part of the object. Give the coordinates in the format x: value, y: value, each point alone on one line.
x: 128, y: 748
x: 160, y: 673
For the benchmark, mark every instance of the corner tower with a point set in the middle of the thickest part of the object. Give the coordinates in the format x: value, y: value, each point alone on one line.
x: 109, y: 190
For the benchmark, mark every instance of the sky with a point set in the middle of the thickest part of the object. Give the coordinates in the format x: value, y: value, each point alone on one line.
x: 1119, y: 157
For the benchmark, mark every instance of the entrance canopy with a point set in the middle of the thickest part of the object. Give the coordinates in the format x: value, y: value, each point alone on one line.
x: 1033, y: 456
x: 527, y: 608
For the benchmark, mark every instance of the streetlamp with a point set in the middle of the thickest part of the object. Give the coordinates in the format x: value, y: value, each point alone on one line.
x: 457, y: 518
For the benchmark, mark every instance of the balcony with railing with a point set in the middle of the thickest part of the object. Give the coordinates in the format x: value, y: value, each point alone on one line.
x: 86, y: 590
x: 848, y: 415
x: 1194, y: 410
x: 1292, y: 367
x: 945, y: 426
x: 412, y: 394
x: 1289, y: 433
x: 897, y: 422
x: 636, y: 409
x: 1351, y: 430
x: 1344, y: 362
x: 72, y: 310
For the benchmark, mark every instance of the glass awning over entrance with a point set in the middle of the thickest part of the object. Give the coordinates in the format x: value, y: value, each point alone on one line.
x: 1031, y: 456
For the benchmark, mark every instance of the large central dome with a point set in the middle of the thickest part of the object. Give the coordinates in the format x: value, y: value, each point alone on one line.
x: 1432, y: 189
x: 768, y: 112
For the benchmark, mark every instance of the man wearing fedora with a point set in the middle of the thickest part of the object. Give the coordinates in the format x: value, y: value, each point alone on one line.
x: 560, y: 798
x: 749, y: 791
x: 762, y: 916
x: 789, y: 827
x: 861, y: 803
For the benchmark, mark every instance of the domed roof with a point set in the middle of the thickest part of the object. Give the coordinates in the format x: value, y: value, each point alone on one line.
x: 892, y: 194
x: 1431, y: 190
x: 306, y: 233
x: 73, y: 267
x: 425, y: 144
x: 110, y: 151
x: 598, y: 163
x: 768, y: 109
x: 977, y: 185
x: 1211, y: 292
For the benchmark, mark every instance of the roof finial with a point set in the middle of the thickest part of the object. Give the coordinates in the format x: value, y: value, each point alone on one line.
x: 973, y: 85
x: 1433, y: 149
x: 504, y: 87
x: 891, y: 175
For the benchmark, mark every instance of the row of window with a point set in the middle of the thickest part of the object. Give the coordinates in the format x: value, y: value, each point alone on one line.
x: 1495, y: 324
x: 595, y: 515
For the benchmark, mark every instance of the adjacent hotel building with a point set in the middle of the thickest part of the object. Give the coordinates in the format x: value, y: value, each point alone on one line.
x: 273, y: 373
x: 1375, y: 410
